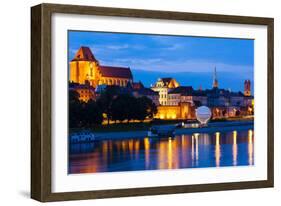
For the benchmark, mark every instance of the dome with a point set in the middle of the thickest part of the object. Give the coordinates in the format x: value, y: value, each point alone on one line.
x: 203, y: 114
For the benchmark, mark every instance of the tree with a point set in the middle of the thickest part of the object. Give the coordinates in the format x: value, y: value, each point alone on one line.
x: 147, y: 107
x: 151, y: 108
x: 124, y: 107
x: 106, y: 99
x: 141, y: 108
x: 119, y: 109
x: 132, y: 107
x: 74, y: 109
x: 91, y: 114
x: 144, y: 108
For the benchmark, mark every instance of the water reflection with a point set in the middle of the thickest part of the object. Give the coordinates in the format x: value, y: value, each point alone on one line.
x: 183, y: 151
x: 218, y: 149
x: 250, y: 147
x: 234, y: 148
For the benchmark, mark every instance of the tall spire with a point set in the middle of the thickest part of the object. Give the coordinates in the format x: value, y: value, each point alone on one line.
x: 215, y: 80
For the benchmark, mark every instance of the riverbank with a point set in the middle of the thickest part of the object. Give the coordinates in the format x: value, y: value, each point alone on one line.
x: 147, y: 124
x: 212, y: 127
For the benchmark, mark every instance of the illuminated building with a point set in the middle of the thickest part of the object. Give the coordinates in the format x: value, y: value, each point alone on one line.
x: 223, y: 103
x: 138, y: 90
x: 85, y: 67
x: 181, y: 111
x: 89, y: 79
x: 247, y: 88
x: 215, y: 80
x: 180, y: 94
x: 163, y: 86
x: 85, y: 91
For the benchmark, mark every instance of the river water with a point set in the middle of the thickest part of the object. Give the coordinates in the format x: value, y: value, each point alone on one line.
x: 198, y: 150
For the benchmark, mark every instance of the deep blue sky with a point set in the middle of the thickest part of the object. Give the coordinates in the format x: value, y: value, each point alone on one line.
x: 191, y: 60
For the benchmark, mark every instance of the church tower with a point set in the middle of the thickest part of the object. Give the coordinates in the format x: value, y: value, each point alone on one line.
x: 84, y: 67
x: 215, y: 80
x: 247, y: 88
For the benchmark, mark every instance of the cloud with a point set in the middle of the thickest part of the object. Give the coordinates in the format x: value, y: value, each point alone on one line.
x: 193, y: 65
x: 117, y: 47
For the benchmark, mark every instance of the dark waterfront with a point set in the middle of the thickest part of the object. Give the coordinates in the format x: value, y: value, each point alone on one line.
x: 198, y: 150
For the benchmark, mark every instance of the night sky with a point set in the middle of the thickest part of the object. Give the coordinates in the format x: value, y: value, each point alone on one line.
x: 190, y: 60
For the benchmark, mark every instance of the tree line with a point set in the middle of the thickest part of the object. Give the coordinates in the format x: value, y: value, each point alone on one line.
x: 112, y: 105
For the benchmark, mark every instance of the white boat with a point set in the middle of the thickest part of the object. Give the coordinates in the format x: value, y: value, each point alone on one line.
x: 81, y: 137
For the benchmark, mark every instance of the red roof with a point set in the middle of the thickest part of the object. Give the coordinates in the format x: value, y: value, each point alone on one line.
x: 84, y: 54
x: 118, y: 72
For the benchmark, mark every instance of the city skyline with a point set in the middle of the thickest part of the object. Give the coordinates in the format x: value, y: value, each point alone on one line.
x: 168, y: 121
x: 190, y: 60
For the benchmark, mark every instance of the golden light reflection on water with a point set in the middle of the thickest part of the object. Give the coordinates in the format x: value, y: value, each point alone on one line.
x: 196, y: 135
x: 234, y: 148
x: 170, y: 154
x: 137, y: 148
x: 192, y: 149
x: 146, y: 151
x: 184, y: 151
x: 250, y: 147
x: 217, y: 149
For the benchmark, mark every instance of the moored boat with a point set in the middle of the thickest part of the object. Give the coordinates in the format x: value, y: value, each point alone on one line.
x: 162, y: 131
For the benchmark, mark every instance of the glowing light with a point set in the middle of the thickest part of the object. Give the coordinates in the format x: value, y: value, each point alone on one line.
x: 217, y: 149
x: 131, y: 146
x: 196, y: 135
x: 192, y: 149
x: 234, y: 148
x: 162, y: 156
x: 234, y: 137
x: 170, y: 154
x: 137, y: 148
x: 250, y: 147
x: 185, y: 150
x: 146, y: 151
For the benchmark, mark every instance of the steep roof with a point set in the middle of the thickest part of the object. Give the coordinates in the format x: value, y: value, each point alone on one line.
x: 147, y: 91
x: 84, y: 54
x: 166, y: 80
x: 118, y: 72
x: 184, y: 90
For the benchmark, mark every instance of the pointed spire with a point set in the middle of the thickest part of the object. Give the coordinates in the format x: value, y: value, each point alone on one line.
x: 215, y: 80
